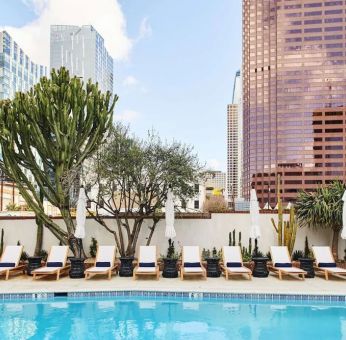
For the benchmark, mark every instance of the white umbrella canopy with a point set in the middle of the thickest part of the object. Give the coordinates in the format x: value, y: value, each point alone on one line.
x: 343, y: 231
x: 255, y: 231
x: 169, y: 215
x: 80, y: 214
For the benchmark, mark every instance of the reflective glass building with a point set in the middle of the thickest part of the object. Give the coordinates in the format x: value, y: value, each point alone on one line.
x: 294, y: 95
x: 82, y: 51
x: 17, y: 71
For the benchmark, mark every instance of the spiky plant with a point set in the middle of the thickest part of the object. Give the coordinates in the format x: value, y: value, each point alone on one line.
x: 322, y: 209
x: 50, y: 131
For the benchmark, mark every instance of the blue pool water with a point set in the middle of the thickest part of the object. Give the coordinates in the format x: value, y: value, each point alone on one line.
x: 171, y: 318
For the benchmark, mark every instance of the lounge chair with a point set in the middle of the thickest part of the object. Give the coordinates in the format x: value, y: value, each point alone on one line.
x: 191, y: 263
x: 282, y: 264
x: 147, y: 263
x: 104, y: 264
x: 233, y: 262
x: 9, y: 262
x: 56, y: 263
x: 325, y: 263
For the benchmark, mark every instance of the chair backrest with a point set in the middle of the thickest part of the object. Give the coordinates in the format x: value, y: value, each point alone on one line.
x: 231, y: 254
x: 191, y: 254
x: 106, y: 254
x: 147, y: 254
x: 58, y: 254
x: 280, y: 254
x: 12, y: 254
x: 323, y: 254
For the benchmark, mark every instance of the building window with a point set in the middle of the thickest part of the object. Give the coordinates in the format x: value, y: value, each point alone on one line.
x: 196, y: 204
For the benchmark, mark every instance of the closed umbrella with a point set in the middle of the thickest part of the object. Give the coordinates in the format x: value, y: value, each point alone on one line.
x: 255, y: 231
x: 343, y: 231
x: 80, y: 217
x: 169, y: 215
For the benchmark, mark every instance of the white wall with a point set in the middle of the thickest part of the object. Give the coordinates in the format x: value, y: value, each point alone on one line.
x: 206, y: 233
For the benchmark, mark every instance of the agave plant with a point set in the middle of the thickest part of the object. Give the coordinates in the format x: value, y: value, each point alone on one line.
x: 322, y: 209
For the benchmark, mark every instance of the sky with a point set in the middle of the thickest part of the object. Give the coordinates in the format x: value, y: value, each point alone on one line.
x: 174, y: 61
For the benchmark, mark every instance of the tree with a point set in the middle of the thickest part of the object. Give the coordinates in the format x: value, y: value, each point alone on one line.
x: 132, y: 178
x: 322, y: 209
x: 50, y: 131
x: 215, y: 204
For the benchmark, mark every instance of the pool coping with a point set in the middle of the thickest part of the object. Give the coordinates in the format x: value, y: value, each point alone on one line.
x: 192, y: 295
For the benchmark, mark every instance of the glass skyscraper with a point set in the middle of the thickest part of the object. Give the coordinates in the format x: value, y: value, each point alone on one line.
x: 294, y: 95
x: 17, y: 71
x: 82, y: 51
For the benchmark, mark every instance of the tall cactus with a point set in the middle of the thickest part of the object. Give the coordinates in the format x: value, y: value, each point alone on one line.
x: 51, y: 130
x: 286, y: 230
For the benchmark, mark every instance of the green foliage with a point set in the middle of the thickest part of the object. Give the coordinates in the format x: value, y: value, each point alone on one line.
x: 133, y: 177
x: 269, y: 255
x: 297, y: 254
x: 12, y: 207
x: 286, y: 230
x: 51, y: 130
x: 322, y: 209
x: 215, y: 204
x: 307, y: 250
x: 44, y: 254
x: 24, y: 255
x: 213, y: 253
x: 93, y: 247
x: 171, y: 253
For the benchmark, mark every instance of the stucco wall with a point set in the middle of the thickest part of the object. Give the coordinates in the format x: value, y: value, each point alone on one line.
x: 206, y: 233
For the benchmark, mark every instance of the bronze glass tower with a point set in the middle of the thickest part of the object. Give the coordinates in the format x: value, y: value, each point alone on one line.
x: 294, y: 95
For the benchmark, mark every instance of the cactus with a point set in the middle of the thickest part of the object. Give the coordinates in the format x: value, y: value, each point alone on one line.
x: 286, y: 230
x: 239, y: 243
x: 2, y: 241
x: 230, y: 238
x: 233, y: 244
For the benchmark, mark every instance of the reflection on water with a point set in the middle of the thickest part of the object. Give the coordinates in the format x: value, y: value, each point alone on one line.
x: 173, y: 319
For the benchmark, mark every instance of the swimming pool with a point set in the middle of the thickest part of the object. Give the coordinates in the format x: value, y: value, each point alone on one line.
x: 170, y: 318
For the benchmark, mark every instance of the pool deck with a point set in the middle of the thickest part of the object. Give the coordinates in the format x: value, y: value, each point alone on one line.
x: 270, y: 285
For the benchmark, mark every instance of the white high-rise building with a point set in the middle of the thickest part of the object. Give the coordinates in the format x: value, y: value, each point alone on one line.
x: 18, y: 73
x: 82, y: 51
x: 235, y: 141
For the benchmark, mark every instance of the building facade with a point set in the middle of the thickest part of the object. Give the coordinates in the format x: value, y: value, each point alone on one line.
x: 235, y: 142
x: 18, y: 73
x: 294, y: 95
x: 82, y: 51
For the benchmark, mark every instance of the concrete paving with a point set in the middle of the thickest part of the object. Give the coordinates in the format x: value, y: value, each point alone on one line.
x: 317, y: 285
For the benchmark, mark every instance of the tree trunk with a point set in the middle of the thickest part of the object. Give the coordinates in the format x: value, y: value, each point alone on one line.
x: 39, y: 237
x: 335, y: 243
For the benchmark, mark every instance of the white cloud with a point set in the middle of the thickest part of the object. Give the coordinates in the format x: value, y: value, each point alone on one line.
x: 105, y: 15
x: 213, y: 164
x: 130, y: 81
x: 145, y: 30
x: 127, y: 116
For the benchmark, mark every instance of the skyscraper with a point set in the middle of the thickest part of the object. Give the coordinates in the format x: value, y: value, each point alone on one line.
x: 17, y: 71
x: 294, y: 98
x: 82, y: 51
x: 235, y: 141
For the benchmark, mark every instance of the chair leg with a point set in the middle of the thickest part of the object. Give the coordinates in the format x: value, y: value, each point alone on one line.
x: 181, y: 275
x: 326, y: 275
x: 109, y: 274
x: 280, y: 275
x: 58, y: 275
x: 7, y: 275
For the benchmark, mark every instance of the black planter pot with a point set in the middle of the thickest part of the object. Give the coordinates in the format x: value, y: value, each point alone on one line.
x: 77, y: 268
x: 126, y: 266
x: 307, y: 265
x: 260, y: 268
x: 34, y: 262
x: 213, y: 268
x: 170, y: 268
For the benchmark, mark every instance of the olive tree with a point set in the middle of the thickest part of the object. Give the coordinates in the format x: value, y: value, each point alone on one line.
x: 132, y: 178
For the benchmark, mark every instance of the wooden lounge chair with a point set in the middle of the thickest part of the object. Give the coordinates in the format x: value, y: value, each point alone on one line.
x: 104, y: 263
x: 56, y: 263
x: 9, y: 262
x: 325, y: 263
x: 233, y: 262
x: 191, y: 263
x: 282, y: 264
x: 147, y: 262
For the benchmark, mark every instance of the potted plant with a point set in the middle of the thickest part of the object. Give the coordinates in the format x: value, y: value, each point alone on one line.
x: 170, y: 261
x: 213, y: 258
x: 306, y: 260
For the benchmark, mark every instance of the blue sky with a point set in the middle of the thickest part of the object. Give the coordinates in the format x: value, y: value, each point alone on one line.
x: 178, y: 76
